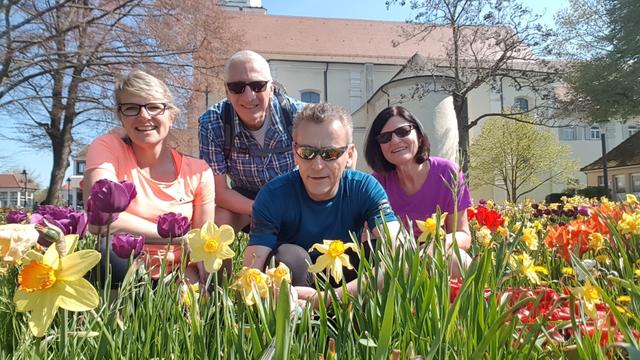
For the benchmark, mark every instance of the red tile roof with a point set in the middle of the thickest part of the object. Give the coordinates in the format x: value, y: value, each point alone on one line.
x: 14, y: 181
x: 336, y: 40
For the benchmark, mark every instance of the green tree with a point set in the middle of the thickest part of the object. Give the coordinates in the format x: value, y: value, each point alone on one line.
x: 518, y: 157
x: 604, y: 36
x: 487, y: 41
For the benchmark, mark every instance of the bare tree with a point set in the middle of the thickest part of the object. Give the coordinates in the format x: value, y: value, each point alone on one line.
x: 77, y: 49
x: 488, y: 41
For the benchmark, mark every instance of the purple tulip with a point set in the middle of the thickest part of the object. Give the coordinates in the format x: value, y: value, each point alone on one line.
x: 124, y: 244
x: 112, y: 197
x: 16, y: 217
x: 97, y: 217
x: 583, y: 210
x: 482, y: 202
x: 67, y: 219
x: 172, y: 225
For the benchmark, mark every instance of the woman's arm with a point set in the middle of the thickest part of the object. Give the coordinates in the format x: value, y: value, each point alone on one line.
x: 463, y: 234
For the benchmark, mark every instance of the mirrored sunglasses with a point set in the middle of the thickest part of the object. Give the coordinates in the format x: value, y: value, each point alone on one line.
x: 237, y: 87
x: 327, y: 154
x: 402, y: 131
x: 132, y: 109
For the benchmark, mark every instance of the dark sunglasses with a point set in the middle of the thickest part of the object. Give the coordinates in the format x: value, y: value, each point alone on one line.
x: 327, y: 154
x: 237, y: 87
x: 402, y: 131
x: 132, y: 109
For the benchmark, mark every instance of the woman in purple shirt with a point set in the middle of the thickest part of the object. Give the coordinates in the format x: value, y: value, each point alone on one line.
x: 397, y: 149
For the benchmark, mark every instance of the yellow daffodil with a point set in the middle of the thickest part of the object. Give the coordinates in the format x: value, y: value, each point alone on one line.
x: 333, y: 258
x: 541, y: 270
x: 211, y: 245
x: 624, y: 299
x: 630, y: 224
x: 631, y: 199
x: 506, y: 220
x: 429, y: 227
x: 516, y: 227
x: 567, y: 270
x: 523, y: 264
x: 603, y: 259
x: 502, y: 231
x: 279, y: 273
x: 637, y: 272
x: 250, y: 279
x: 530, y: 238
x: 596, y: 241
x: 590, y: 298
x: 623, y: 310
x: 16, y: 240
x: 537, y: 225
x: 47, y: 282
x: 485, y: 236
x: 190, y: 294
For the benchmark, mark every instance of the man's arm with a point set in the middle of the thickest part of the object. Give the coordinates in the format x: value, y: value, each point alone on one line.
x: 255, y: 256
x: 230, y: 199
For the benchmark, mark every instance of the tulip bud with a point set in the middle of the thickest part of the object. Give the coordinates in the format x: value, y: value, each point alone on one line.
x: 172, y: 225
x: 124, y: 244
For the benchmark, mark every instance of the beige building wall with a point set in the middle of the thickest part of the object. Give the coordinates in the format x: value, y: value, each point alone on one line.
x: 630, y: 175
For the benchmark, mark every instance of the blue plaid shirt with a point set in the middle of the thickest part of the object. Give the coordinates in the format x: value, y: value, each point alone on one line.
x: 247, y: 172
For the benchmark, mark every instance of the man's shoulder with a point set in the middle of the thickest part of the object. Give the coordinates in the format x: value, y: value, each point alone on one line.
x: 357, y: 176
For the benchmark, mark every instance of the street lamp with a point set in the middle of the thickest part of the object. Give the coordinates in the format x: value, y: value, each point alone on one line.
x: 68, y: 191
x: 24, y: 173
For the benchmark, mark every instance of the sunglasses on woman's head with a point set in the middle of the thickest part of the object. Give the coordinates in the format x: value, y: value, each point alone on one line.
x: 237, y: 87
x: 402, y: 131
x: 327, y: 153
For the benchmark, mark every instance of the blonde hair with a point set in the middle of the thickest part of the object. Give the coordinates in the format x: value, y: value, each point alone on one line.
x: 142, y: 83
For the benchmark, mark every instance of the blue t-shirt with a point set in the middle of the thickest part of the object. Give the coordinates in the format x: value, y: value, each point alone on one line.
x: 283, y: 212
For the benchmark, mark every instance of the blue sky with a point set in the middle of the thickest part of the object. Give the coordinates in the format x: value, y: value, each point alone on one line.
x: 38, y: 163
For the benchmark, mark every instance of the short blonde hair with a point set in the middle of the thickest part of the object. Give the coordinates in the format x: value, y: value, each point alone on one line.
x: 142, y: 83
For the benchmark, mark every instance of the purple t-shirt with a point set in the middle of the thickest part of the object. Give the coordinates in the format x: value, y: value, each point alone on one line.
x: 434, y: 192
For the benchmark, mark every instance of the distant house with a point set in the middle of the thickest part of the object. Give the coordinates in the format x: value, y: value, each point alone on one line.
x: 16, y: 191
x: 623, y: 163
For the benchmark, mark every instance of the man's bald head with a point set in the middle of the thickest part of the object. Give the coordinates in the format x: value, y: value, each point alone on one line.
x: 248, y: 56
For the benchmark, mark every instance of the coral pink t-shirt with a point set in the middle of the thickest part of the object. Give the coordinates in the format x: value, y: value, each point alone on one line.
x: 193, y: 185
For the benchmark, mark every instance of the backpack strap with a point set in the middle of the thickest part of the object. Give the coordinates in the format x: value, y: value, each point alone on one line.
x: 228, y: 129
x: 285, y: 105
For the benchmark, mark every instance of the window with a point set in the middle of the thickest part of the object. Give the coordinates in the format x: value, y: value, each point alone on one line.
x: 521, y: 104
x: 618, y: 182
x: 600, y: 180
x: 310, y: 97
x: 632, y: 129
x: 4, y: 199
x: 635, y: 183
x: 80, y: 165
x: 568, y: 133
x: 594, y: 132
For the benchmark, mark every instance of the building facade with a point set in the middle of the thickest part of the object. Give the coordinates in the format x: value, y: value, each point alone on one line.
x: 16, y: 191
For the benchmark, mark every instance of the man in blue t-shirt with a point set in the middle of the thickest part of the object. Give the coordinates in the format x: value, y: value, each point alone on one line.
x: 318, y: 201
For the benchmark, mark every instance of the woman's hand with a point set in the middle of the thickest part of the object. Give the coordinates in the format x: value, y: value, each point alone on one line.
x: 307, y: 295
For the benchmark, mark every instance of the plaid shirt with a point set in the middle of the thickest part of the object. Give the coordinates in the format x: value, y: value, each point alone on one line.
x: 247, y: 172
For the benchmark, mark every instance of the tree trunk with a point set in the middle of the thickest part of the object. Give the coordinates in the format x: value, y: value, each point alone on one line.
x: 61, y: 146
x: 462, y: 116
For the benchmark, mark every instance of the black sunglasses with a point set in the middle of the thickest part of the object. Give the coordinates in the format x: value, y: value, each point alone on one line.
x: 327, y: 154
x: 402, y: 131
x: 237, y: 87
x: 132, y: 109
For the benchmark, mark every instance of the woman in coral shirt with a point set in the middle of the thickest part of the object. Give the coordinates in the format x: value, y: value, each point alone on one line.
x: 165, y: 179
